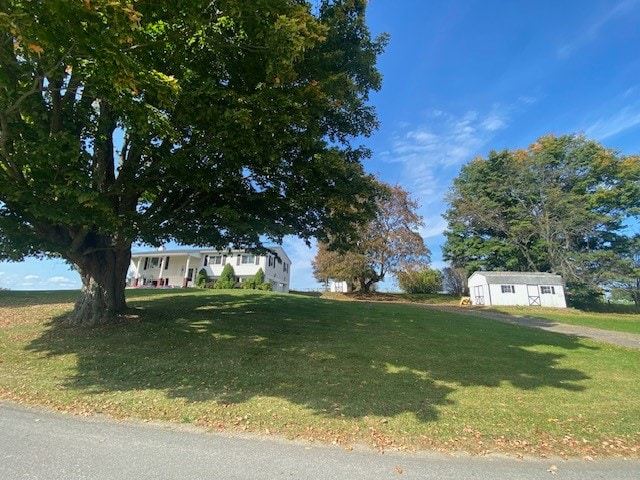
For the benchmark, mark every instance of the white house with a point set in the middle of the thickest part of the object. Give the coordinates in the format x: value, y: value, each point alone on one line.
x: 179, y: 268
x: 517, y: 288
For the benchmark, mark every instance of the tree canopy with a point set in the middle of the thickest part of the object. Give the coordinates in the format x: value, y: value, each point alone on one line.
x: 390, y: 243
x: 559, y: 206
x: 207, y: 123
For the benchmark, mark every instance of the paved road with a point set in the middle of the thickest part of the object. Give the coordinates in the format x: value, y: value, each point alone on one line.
x: 37, y: 444
x: 623, y: 339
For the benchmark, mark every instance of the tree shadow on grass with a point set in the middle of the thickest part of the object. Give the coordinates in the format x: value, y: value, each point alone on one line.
x: 335, y: 358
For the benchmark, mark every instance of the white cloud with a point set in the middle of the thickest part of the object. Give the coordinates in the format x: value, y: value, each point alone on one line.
x: 606, y: 127
x: 15, y: 277
x: 494, y: 122
x: 592, y: 31
x: 62, y: 281
x: 435, y: 225
x: 430, y: 153
x: 447, y: 139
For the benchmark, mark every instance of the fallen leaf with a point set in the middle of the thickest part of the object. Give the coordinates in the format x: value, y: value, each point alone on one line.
x: 553, y: 470
x: 399, y: 470
x: 35, y: 48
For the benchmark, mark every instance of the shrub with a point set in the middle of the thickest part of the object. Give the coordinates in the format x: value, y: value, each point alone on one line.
x: 266, y: 286
x: 256, y: 282
x: 227, y: 279
x: 258, y: 278
x: 202, y: 278
x: 420, y: 281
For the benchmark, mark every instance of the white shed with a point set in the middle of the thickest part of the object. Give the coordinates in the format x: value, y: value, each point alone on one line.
x: 517, y: 288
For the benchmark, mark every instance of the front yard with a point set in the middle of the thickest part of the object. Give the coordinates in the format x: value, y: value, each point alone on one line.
x: 386, y: 375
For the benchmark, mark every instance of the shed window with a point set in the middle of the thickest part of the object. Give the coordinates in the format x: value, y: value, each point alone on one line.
x: 508, y: 288
x: 547, y: 289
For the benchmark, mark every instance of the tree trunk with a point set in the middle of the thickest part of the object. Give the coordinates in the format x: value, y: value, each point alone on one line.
x: 365, y: 285
x: 104, y: 276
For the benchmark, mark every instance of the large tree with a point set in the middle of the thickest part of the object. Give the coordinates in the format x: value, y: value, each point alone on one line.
x: 559, y: 206
x: 208, y: 123
x: 623, y: 279
x: 390, y: 243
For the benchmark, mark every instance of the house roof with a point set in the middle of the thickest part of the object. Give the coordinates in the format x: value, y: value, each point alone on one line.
x: 521, y: 278
x: 198, y: 252
x: 162, y: 253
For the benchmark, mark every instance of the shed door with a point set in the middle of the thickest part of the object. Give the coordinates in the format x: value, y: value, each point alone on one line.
x: 478, y: 293
x: 534, y: 295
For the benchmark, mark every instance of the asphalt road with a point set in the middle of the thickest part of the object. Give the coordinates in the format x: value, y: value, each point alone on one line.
x: 37, y: 444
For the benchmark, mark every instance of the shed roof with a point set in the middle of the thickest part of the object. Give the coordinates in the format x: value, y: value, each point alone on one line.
x: 521, y: 278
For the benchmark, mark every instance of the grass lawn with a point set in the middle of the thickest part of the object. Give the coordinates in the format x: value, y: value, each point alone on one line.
x: 386, y: 375
x: 424, y: 298
x: 617, y: 319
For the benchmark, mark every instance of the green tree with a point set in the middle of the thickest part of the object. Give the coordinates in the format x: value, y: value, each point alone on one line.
x: 424, y: 280
x: 208, y: 123
x: 624, y: 277
x: 454, y: 281
x: 559, y: 206
x: 227, y: 278
x: 390, y: 243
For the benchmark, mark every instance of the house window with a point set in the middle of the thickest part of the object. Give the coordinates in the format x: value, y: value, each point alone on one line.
x: 247, y: 259
x: 217, y: 259
x: 166, y: 262
x: 154, y: 262
x: 206, y: 260
x: 271, y: 261
x: 547, y: 289
x: 285, y: 267
x: 508, y: 288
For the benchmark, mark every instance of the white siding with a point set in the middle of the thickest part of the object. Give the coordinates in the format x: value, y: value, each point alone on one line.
x: 510, y: 291
x: 278, y: 273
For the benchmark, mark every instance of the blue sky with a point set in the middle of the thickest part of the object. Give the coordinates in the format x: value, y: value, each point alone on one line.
x: 462, y: 78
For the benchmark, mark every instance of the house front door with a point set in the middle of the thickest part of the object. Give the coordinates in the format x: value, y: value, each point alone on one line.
x: 534, y: 295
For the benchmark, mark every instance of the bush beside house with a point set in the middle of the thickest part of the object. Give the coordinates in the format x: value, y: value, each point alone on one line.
x: 257, y: 282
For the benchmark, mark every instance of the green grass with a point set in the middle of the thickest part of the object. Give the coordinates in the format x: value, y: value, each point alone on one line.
x: 614, y: 319
x: 386, y: 375
x: 395, y: 297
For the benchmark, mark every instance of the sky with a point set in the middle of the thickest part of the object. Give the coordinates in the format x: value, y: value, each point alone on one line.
x: 462, y: 78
